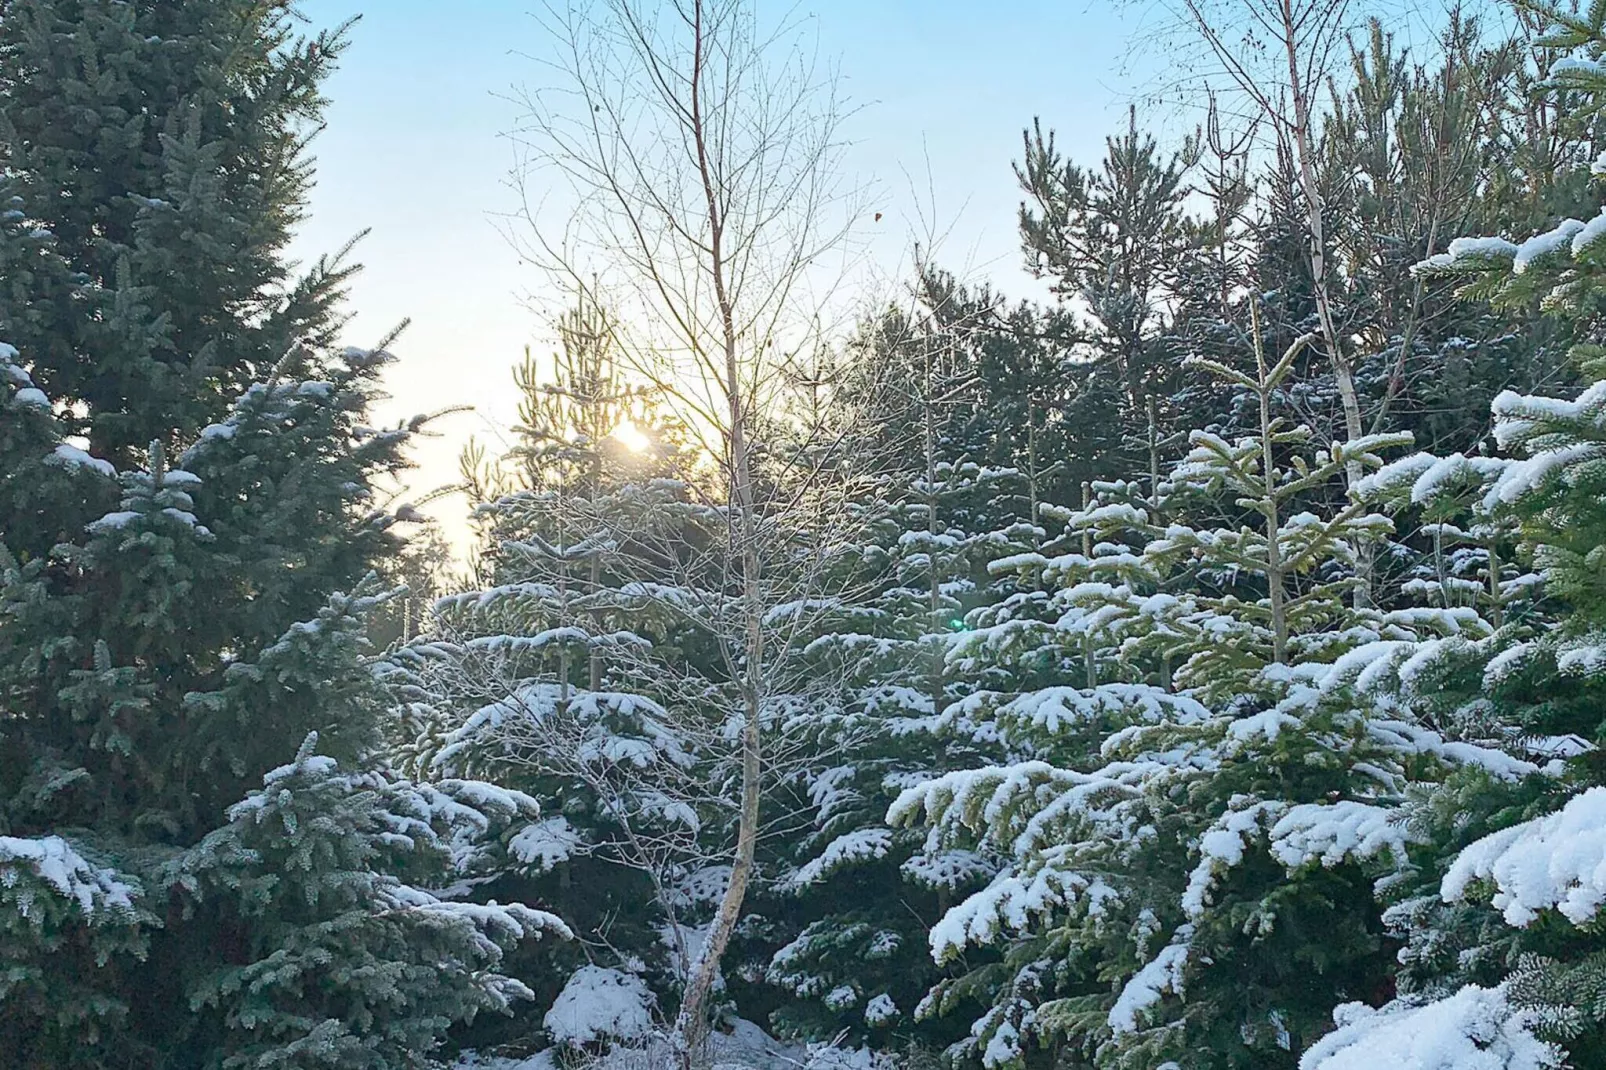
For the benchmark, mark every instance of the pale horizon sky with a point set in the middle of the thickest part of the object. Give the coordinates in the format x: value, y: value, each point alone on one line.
x: 415, y: 152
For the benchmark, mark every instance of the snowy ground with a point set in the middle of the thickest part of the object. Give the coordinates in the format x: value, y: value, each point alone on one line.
x: 746, y: 1047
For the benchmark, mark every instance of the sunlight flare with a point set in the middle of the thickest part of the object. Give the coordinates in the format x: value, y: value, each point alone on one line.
x: 632, y: 437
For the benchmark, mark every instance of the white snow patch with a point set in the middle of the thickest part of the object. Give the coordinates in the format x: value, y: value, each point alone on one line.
x: 1475, y: 1029
x: 544, y: 843
x: 1337, y: 832
x: 860, y: 845
x: 54, y: 861
x: 599, y: 1003
x: 114, y: 521
x: 1009, y: 904
x: 1589, y: 234
x: 73, y: 457
x: 1148, y: 986
x: 1551, y: 241
x: 1557, y: 861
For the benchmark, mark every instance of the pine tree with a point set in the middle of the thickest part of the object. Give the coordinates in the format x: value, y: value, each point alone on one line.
x: 127, y: 724
x: 1409, y: 133
x: 1112, y: 239
x: 1108, y: 237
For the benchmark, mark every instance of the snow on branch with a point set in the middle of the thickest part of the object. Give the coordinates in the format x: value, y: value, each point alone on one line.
x: 1553, y: 862
x: 1475, y: 1029
x: 1160, y: 975
x: 860, y: 845
x: 1296, y: 836
x: 56, y: 864
x: 1010, y: 903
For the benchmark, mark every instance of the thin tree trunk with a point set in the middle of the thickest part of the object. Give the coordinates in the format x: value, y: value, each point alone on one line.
x: 692, y: 1023
x: 1031, y: 465
x: 764, y: 163
x: 1343, y: 373
x: 934, y: 681
x: 594, y: 660
x: 1089, y: 662
x: 1154, y: 457
x: 1497, y: 606
x: 1274, y: 558
x: 1154, y: 505
x: 1305, y: 151
x: 565, y: 617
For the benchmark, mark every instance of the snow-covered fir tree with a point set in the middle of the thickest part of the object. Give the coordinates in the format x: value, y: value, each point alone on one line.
x: 1197, y: 795
x: 864, y: 893
x: 1499, y: 932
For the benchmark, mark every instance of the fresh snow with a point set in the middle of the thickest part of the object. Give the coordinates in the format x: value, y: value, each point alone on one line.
x: 1474, y: 249
x: 73, y: 457
x: 1056, y: 709
x: 1554, y: 862
x: 1221, y: 848
x: 880, y: 1010
x: 841, y: 998
x: 1589, y: 234
x: 1160, y: 975
x: 55, y: 862
x: 113, y: 521
x: 1474, y: 1029
x: 1577, y: 65
x: 704, y: 886
x: 1338, y: 832
x: 947, y: 869
x: 519, y: 717
x: 1548, y: 243
x: 1010, y: 903
x: 860, y: 845
x: 544, y: 843
x: 599, y: 1003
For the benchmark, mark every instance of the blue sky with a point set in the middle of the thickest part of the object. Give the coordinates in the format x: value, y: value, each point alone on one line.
x: 414, y: 151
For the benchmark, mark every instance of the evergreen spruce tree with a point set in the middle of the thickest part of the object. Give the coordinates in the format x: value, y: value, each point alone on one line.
x: 154, y: 164
x: 189, y: 511
x: 72, y: 927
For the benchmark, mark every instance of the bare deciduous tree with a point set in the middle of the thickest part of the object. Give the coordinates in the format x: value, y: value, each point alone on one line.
x: 702, y: 156
x: 1279, y: 53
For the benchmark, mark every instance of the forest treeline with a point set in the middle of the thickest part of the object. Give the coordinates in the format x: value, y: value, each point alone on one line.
x: 1202, y: 668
